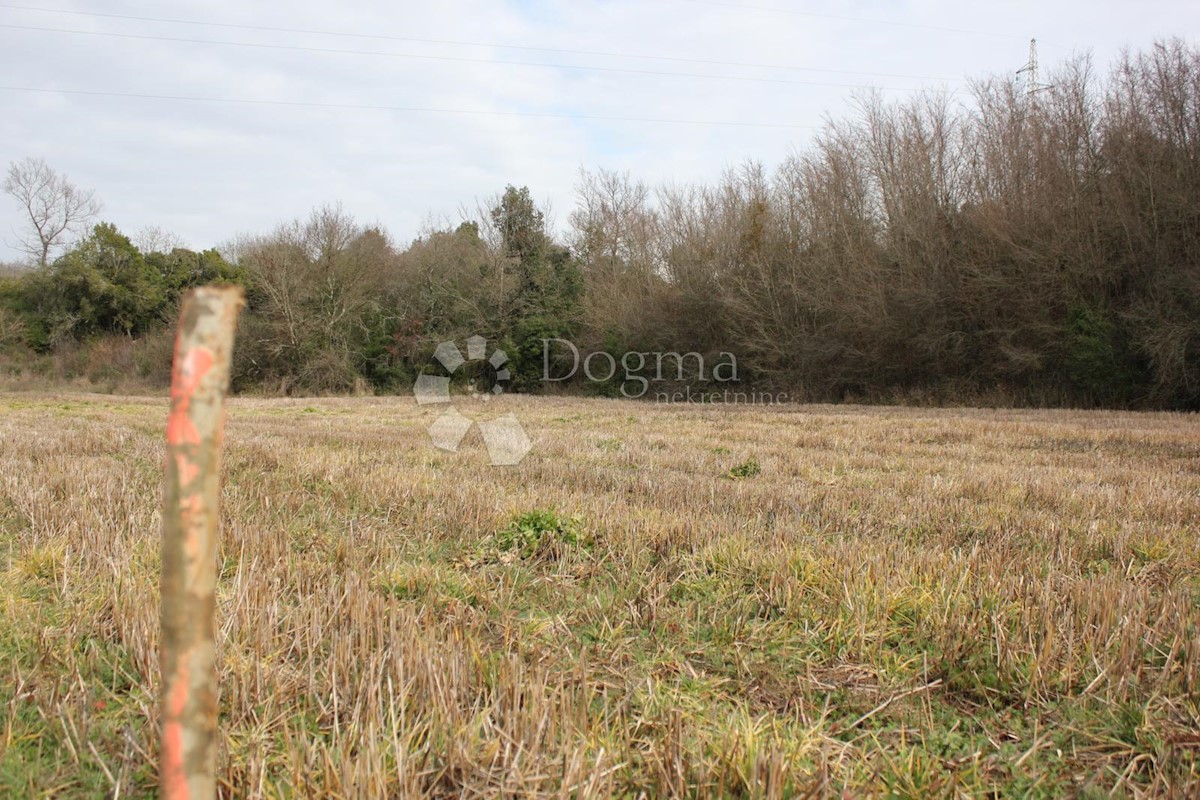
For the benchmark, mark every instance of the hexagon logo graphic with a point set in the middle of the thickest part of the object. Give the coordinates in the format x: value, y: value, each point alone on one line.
x: 505, y: 439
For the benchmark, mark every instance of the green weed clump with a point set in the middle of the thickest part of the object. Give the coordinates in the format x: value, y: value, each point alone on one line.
x: 747, y: 469
x: 538, y: 532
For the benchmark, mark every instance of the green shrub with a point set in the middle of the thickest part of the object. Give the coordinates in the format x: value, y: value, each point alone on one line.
x: 1099, y: 361
x: 524, y: 348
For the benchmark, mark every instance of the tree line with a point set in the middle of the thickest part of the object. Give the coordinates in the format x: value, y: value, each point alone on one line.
x: 1030, y: 246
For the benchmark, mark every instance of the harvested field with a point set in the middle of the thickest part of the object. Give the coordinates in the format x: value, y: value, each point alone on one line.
x: 712, y: 602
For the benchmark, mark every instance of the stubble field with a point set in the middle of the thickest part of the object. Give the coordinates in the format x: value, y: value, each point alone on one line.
x: 698, y: 601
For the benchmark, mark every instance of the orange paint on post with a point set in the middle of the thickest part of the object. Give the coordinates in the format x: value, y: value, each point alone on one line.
x: 187, y: 376
x: 174, y: 777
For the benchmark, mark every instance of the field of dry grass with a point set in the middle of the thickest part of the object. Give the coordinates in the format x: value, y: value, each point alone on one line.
x: 716, y: 601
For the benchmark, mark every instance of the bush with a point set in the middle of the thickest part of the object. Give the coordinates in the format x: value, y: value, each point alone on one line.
x: 524, y: 349
x: 1099, y: 361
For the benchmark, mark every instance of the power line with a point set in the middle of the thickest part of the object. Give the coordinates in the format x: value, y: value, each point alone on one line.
x: 416, y: 109
x: 858, y: 20
x: 456, y: 59
x: 465, y: 43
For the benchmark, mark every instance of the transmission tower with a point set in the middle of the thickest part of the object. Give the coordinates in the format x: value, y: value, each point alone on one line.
x: 1032, y: 85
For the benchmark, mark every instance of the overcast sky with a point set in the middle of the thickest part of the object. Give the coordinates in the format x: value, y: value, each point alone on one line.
x: 459, y: 123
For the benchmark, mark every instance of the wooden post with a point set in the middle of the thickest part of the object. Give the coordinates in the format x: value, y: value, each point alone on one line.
x: 191, y: 495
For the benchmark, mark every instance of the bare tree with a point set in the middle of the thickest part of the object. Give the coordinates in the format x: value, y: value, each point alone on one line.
x: 613, y: 224
x: 55, y: 207
x: 153, y: 239
x: 317, y: 280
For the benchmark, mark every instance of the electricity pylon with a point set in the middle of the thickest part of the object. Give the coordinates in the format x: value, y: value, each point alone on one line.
x: 1032, y: 86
